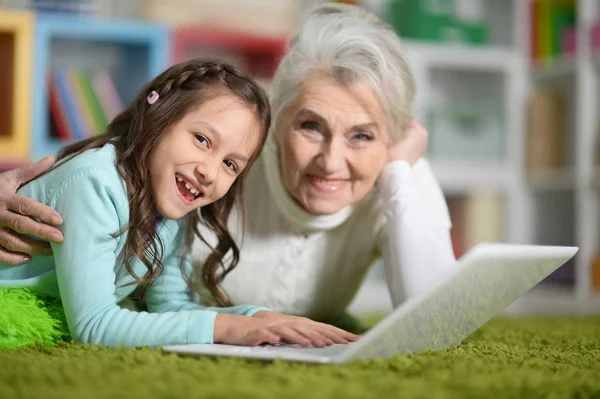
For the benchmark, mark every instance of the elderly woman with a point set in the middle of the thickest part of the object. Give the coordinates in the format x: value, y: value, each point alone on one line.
x: 341, y: 181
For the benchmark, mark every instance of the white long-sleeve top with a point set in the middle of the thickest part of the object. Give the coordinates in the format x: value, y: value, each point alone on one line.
x: 313, y: 265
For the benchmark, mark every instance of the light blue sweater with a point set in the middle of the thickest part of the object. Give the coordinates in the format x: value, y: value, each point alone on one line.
x: 87, y: 270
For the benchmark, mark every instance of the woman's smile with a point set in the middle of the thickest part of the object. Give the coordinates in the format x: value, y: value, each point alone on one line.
x: 328, y: 184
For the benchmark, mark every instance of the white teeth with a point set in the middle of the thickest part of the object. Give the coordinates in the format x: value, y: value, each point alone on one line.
x: 329, y: 182
x: 189, y: 187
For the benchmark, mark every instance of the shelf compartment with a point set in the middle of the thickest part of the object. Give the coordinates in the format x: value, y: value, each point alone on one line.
x: 16, y: 31
x: 132, y: 53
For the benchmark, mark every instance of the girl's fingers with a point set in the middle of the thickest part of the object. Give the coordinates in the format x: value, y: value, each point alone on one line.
x: 348, y: 336
x: 265, y: 337
x: 317, y: 338
x: 334, y: 337
x: 291, y: 336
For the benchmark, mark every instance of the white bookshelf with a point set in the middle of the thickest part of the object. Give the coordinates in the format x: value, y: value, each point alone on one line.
x: 556, y: 207
x: 548, y: 207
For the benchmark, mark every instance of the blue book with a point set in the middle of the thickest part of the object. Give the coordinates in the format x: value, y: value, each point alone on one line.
x: 75, y: 118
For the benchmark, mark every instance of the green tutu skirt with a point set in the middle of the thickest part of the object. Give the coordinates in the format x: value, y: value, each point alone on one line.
x: 28, y: 318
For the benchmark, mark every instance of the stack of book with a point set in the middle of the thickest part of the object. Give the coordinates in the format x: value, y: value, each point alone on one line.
x: 546, y: 130
x: 81, y: 103
x: 553, y: 27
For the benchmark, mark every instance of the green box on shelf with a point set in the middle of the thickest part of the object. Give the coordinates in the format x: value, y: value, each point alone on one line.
x: 466, y: 131
x: 420, y: 19
x: 461, y: 32
x: 433, y: 20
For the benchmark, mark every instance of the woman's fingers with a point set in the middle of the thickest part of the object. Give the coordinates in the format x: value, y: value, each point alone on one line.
x: 16, y: 243
x: 25, y: 225
x: 12, y: 258
x: 16, y: 212
x: 29, y: 207
x: 29, y: 172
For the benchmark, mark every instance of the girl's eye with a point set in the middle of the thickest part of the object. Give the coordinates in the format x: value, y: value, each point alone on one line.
x: 363, y: 137
x: 202, y: 140
x: 230, y: 165
x: 308, y: 125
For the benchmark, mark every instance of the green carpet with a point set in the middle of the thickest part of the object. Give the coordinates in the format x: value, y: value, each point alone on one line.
x: 506, y: 358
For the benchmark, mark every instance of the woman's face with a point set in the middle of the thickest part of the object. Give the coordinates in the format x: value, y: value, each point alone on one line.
x: 333, y: 145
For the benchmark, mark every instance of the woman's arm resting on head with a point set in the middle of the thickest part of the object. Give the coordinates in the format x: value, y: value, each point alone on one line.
x: 416, y: 244
x: 16, y: 212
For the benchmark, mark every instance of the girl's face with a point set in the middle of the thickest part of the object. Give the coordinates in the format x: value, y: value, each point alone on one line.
x: 198, y: 158
x: 333, y: 145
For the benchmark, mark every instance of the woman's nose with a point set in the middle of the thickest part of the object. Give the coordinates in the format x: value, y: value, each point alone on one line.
x: 331, y: 156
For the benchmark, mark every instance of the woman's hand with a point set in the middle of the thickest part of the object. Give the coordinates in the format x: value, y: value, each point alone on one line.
x: 271, y: 327
x: 15, y: 217
x: 411, y: 148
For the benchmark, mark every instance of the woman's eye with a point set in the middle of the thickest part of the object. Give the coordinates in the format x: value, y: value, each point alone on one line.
x: 363, y: 137
x: 202, y: 140
x: 309, y: 125
x: 230, y: 165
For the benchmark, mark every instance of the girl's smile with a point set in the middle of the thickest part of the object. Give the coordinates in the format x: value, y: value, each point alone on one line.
x: 188, y: 190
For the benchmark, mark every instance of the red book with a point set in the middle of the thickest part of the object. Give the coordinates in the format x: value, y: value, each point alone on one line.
x: 57, y: 111
x: 534, y: 43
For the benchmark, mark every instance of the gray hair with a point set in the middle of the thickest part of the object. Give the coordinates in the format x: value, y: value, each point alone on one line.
x: 349, y: 45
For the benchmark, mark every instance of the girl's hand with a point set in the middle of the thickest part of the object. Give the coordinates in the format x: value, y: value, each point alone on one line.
x: 271, y: 327
x: 16, y: 212
x: 411, y: 148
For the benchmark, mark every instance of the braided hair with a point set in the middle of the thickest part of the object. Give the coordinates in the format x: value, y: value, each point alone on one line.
x: 135, y: 133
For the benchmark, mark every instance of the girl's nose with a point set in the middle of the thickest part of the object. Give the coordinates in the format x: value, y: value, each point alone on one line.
x: 207, y: 172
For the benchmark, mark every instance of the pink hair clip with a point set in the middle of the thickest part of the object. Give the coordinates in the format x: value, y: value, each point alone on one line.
x: 152, y: 97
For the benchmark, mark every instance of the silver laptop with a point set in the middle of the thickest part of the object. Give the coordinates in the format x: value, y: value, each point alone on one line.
x: 478, y: 287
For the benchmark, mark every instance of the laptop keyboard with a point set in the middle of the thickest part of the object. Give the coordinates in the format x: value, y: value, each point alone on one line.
x: 331, y: 350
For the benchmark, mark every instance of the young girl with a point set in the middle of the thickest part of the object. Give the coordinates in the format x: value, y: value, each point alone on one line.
x: 130, y: 201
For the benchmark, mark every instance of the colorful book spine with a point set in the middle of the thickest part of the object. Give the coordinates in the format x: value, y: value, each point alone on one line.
x: 58, y: 113
x: 107, y: 94
x: 552, y: 29
x: 81, y: 104
x: 100, y: 121
x: 69, y: 101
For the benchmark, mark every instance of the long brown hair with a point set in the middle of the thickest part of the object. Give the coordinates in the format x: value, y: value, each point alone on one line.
x: 136, y: 131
